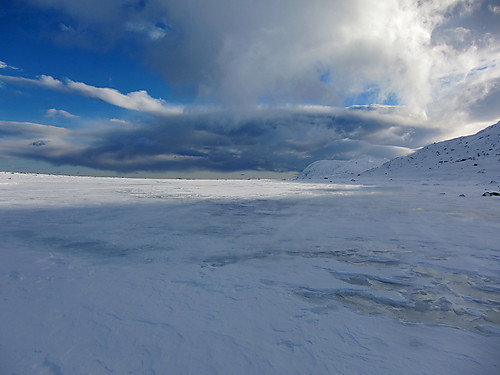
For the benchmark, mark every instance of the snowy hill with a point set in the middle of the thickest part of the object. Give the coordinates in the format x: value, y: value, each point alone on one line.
x: 464, y: 157
x: 325, y: 169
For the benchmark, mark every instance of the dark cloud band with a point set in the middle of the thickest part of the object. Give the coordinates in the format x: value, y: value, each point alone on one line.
x: 219, y: 141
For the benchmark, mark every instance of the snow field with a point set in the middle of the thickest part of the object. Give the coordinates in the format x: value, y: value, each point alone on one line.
x: 122, y: 276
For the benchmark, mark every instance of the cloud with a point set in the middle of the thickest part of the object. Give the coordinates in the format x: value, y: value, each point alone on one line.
x: 59, y: 113
x: 494, y: 8
x: 4, y: 65
x: 154, y: 32
x: 40, y: 142
x: 276, y: 75
x: 30, y: 129
x: 137, y: 100
x: 42, y: 81
x: 267, y: 140
x: 119, y: 121
x: 420, y: 54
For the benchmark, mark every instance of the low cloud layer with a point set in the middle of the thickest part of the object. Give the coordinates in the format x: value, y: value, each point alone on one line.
x: 270, y: 140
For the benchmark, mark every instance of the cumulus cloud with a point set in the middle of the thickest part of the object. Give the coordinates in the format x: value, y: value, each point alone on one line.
x: 59, y: 113
x: 421, y: 54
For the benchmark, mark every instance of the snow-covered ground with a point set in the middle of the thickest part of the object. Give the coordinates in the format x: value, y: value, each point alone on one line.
x: 135, y: 276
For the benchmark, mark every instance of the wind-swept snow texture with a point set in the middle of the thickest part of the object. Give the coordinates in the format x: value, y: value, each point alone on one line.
x: 464, y: 157
x: 124, y: 276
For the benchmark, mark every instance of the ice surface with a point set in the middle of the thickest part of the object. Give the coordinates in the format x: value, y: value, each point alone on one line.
x: 134, y: 276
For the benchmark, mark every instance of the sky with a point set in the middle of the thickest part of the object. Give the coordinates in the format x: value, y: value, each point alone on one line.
x: 191, y: 88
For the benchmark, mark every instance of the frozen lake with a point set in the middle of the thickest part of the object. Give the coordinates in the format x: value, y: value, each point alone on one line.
x: 135, y: 276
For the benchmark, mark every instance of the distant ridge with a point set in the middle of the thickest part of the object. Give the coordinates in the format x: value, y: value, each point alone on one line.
x: 326, y: 169
x: 468, y: 156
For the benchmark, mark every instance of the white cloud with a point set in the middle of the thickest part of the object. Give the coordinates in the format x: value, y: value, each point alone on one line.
x: 152, y: 31
x: 422, y: 53
x: 42, y: 81
x: 241, y: 52
x: 429, y: 56
x: 59, y: 113
x: 4, y: 65
x: 119, y: 121
x: 137, y: 100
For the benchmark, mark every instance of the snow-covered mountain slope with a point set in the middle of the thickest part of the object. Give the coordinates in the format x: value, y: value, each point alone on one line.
x: 326, y: 169
x: 464, y: 157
